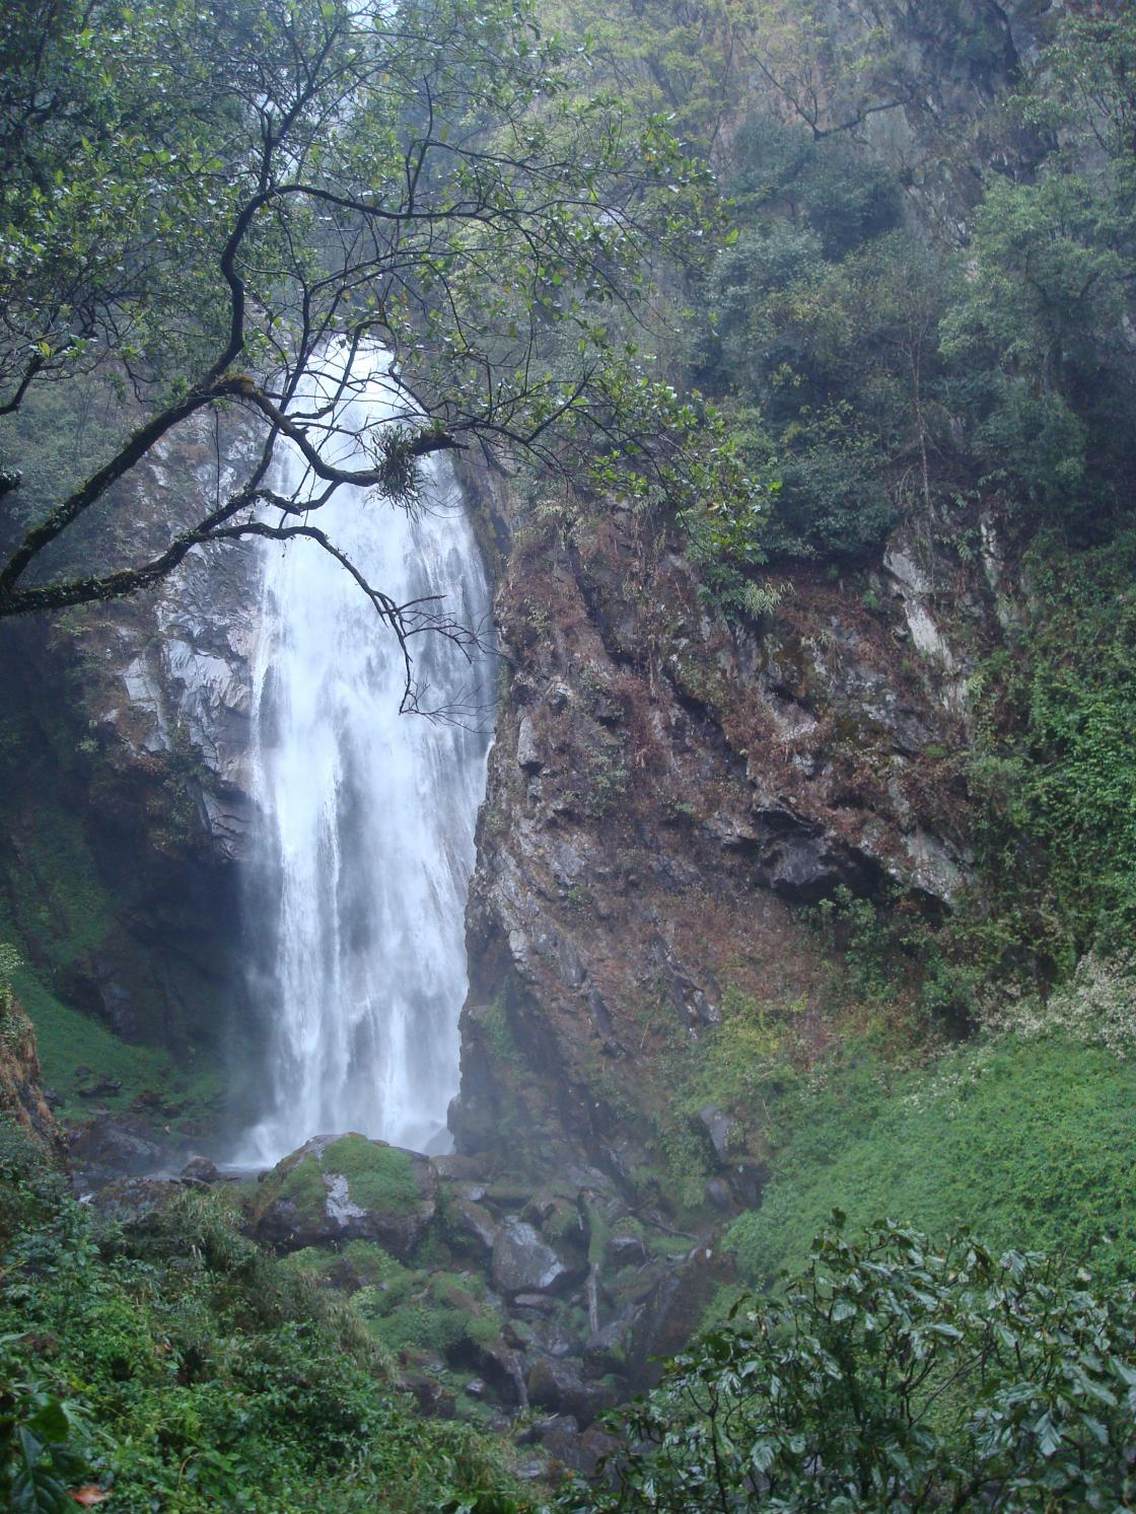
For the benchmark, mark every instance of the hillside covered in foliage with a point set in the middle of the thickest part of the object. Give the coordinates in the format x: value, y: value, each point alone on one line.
x: 783, y: 353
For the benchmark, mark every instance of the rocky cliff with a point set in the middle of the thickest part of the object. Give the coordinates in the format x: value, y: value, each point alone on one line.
x: 124, y: 803
x: 21, y: 1086
x: 670, y: 795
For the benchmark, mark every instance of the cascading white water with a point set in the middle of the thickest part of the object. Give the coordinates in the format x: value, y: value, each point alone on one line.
x: 366, y: 816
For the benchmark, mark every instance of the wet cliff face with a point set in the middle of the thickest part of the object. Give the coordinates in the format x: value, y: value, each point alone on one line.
x: 670, y: 795
x: 126, y: 801
x: 166, y: 684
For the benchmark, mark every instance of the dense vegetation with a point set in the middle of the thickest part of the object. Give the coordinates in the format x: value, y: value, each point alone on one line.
x: 1024, y: 1142
x: 173, y: 1360
x: 895, y: 1374
x: 165, y: 1361
x: 852, y: 336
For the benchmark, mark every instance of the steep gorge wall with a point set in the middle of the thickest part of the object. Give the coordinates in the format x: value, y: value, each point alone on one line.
x: 669, y: 793
x: 125, y: 801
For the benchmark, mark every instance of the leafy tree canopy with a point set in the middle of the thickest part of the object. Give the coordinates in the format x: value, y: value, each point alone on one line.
x: 198, y: 200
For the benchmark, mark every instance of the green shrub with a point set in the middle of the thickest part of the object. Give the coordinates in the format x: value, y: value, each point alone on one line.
x: 1055, y: 771
x: 893, y: 1373
x: 194, y: 1372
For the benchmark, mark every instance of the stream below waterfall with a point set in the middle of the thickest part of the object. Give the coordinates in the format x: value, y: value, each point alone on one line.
x: 356, y: 892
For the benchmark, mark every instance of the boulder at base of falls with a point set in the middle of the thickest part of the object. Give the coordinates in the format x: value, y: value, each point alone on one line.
x: 346, y: 1188
x: 112, y: 1146
x: 670, y: 1314
x: 135, y: 1203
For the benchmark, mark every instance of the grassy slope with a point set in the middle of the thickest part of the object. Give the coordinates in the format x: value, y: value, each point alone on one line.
x: 1030, y: 1143
x: 69, y: 1040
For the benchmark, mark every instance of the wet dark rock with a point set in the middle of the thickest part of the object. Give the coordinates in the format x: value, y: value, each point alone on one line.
x: 553, y: 1336
x: 595, y: 1446
x: 201, y: 1170
x: 528, y: 752
x: 473, y: 1227
x: 719, y: 1194
x: 561, y: 1444
x: 561, y: 1223
x: 433, y: 1397
x: 534, y: 1303
x: 747, y: 1180
x: 721, y: 1129
x: 93, y: 1087
x: 566, y: 1447
x: 626, y: 1250
x: 498, y: 1366
x: 523, y: 1262
x: 672, y: 1310
x: 133, y: 1202
x: 536, y: 1431
x: 606, y: 1350
x: 452, y: 1167
x: 560, y: 1384
x: 112, y: 1146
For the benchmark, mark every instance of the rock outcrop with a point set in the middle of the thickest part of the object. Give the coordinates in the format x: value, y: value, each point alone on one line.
x: 129, y: 804
x: 22, y: 1098
x: 669, y: 794
x: 342, y: 1188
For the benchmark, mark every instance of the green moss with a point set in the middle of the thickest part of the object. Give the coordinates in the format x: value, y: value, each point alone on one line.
x: 744, y: 1066
x: 370, y: 1262
x: 740, y: 1062
x: 57, y: 903
x: 484, y: 1329
x: 1031, y: 1144
x: 419, y: 1327
x: 311, y: 1262
x: 498, y: 1032
x: 563, y: 1224
x: 441, y: 1313
x: 461, y: 1290
x: 302, y: 1184
x: 68, y: 1040
x: 391, y: 1287
x: 378, y: 1177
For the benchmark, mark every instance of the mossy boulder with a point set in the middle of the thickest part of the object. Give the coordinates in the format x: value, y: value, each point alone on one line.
x: 336, y: 1189
x: 423, y: 1317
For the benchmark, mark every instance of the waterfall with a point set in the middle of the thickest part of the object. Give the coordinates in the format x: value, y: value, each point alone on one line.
x: 358, y: 886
